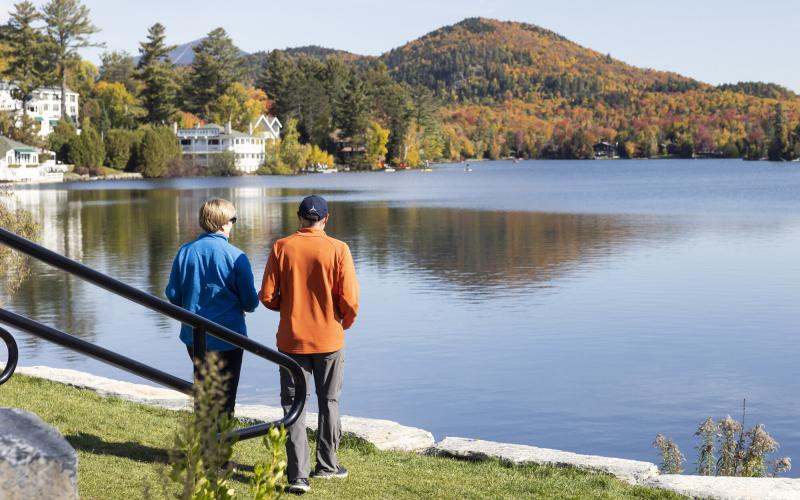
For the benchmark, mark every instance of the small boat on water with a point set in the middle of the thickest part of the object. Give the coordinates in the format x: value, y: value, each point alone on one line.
x: 467, y: 168
x: 388, y: 169
x: 426, y: 169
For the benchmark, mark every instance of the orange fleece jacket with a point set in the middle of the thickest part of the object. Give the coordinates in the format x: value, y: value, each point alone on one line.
x: 310, y: 278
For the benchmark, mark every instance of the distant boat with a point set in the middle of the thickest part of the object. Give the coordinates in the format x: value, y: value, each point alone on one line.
x: 388, y: 169
x: 426, y: 169
x: 467, y: 168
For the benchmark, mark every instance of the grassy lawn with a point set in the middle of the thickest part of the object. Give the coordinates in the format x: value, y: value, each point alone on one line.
x: 123, y: 447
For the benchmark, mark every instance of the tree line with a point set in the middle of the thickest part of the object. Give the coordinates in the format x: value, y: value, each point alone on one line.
x: 480, y: 88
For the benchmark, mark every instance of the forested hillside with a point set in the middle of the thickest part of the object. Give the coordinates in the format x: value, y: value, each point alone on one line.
x: 516, y: 89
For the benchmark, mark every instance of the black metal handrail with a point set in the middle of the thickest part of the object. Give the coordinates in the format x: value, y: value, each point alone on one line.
x: 200, y: 327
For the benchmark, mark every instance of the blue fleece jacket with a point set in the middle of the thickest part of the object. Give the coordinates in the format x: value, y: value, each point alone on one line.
x: 212, y: 278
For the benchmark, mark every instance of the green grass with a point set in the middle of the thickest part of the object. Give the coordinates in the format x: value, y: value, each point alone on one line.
x: 123, y: 448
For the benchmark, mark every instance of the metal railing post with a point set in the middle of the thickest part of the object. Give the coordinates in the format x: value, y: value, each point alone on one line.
x: 199, y: 344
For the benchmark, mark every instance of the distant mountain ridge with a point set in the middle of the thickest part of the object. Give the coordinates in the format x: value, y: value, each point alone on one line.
x: 183, y: 54
x: 487, y: 58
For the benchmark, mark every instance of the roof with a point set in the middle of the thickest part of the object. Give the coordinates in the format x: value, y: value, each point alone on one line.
x: 8, y: 85
x: 7, y: 145
x: 222, y: 133
x: 268, y: 120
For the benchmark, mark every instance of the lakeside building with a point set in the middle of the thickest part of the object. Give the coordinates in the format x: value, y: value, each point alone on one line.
x: 201, y: 144
x: 44, y: 105
x: 20, y: 163
x: 605, y: 150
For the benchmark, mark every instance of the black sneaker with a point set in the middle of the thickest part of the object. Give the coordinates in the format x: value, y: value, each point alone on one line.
x: 339, y: 473
x: 299, y: 486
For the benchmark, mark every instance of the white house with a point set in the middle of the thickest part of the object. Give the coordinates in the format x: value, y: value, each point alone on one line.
x: 200, y: 144
x: 20, y: 163
x: 44, y: 105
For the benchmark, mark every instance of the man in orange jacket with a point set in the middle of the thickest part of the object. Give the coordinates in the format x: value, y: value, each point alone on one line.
x: 311, y: 280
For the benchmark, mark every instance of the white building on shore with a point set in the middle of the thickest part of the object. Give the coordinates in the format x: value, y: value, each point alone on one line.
x: 201, y: 144
x: 20, y: 163
x: 44, y: 105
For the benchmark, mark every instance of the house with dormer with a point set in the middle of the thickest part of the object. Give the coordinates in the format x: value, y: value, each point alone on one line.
x: 200, y: 144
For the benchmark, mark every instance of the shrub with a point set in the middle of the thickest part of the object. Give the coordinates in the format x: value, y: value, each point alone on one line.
x: 156, y: 149
x: 119, y: 144
x: 224, y: 165
x: 203, y: 446
x: 671, y: 457
x: 180, y: 167
x: 13, y: 265
x: 87, y: 149
x: 741, y: 454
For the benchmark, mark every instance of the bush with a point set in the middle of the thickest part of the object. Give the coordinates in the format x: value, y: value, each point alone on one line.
x: 204, y: 445
x: 13, y: 265
x: 59, y: 139
x: 87, y: 149
x: 119, y: 144
x: 157, y: 148
x: 224, y: 165
x: 180, y: 167
x: 726, y: 450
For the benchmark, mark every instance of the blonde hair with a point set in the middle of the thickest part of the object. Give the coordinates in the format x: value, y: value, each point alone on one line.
x: 215, y: 213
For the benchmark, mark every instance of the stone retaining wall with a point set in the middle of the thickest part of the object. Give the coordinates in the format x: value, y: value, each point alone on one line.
x: 387, y: 435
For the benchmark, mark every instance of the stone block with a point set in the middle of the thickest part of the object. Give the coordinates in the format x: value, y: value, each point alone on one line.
x: 35, y: 459
x: 632, y: 471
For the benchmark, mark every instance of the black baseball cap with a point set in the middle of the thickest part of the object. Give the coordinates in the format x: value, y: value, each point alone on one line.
x: 313, y: 208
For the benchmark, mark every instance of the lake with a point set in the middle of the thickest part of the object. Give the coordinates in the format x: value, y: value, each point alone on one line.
x: 579, y: 305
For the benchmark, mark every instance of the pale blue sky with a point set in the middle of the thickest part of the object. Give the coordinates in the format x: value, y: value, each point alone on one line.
x: 712, y: 40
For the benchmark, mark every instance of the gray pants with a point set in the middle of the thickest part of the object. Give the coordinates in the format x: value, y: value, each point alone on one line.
x: 328, y: 371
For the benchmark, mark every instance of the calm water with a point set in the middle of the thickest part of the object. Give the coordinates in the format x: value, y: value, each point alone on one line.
x: 585, y: 306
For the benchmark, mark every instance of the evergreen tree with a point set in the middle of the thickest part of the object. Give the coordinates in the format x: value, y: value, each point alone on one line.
x: 68, y: 28
x: 59, y: 140
x: 155, y: 70
x: 276, y: 80
x: 25, y: 53
x: 779, y: 145
x: 795, y: 142
x: 119, y: 143
x: 87, y: 149
x: 156, y: 150
x: 119, y: 67
x: 353, y: 109
x: 217, y: 66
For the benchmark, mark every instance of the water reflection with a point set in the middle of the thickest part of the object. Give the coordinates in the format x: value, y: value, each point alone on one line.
x: 581, y: 328
x: 133, y: 235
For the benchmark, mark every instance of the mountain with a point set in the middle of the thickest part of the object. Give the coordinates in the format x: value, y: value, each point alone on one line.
x: 485, y: 58
x: 183, y: 55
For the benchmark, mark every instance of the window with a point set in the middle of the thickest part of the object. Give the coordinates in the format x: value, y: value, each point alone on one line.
x: 186, y: 142
x: 72, y: 98
x: 47, y: 107
x: 213, y: 142
x: 72, y: 109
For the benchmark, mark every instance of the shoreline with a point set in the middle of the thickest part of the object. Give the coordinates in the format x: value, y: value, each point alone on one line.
x: 135, y: 176
x: 388, y: 435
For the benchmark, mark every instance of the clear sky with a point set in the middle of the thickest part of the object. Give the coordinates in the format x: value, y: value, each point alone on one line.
x: 714, y: 41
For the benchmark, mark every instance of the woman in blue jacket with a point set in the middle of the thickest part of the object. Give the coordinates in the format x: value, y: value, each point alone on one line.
x: 212, y: 278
